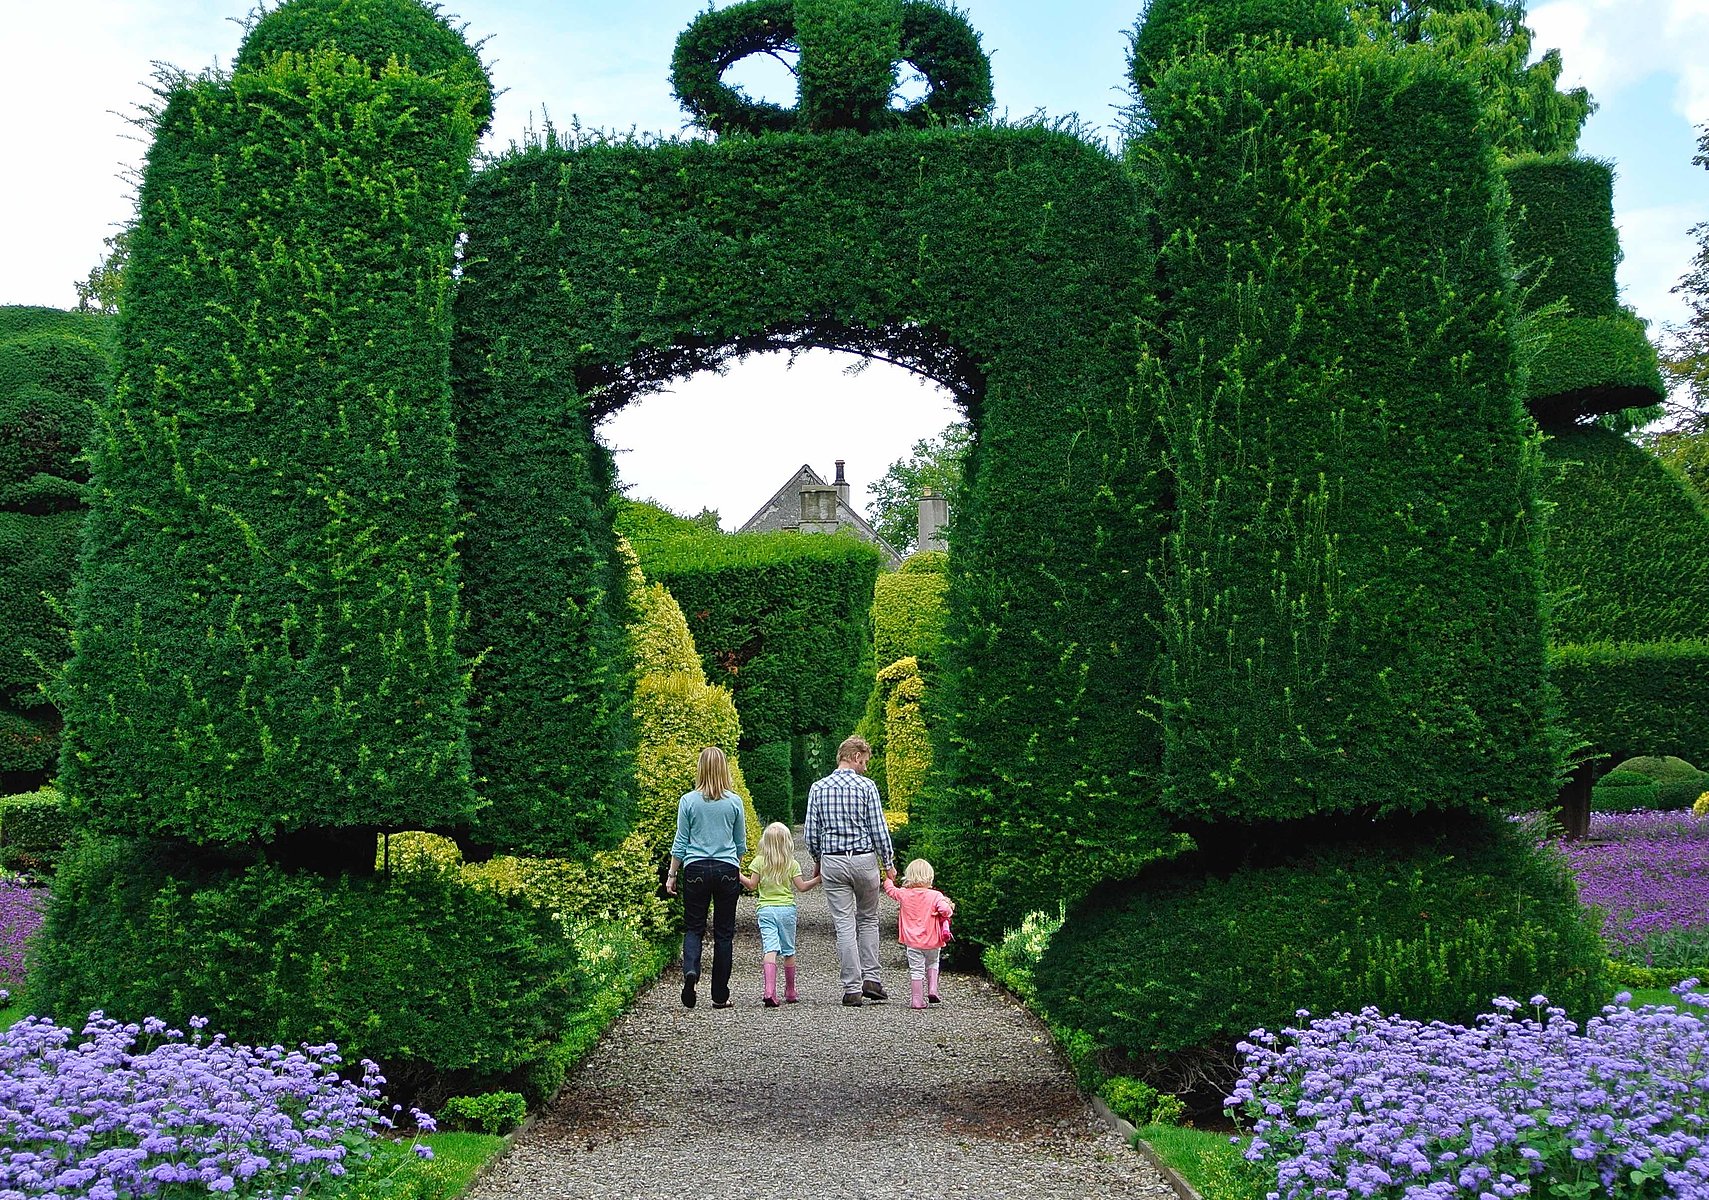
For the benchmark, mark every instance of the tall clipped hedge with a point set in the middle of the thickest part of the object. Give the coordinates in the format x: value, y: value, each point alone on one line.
x: 269, y: 599
x: 1352, y: 586
x: 1627, y: 557
x: 1636, y: 698
x: 53, y: 373
x: 783, y: 620
x: 908, y: 613
x: 1595, y: 356
x: 1006, y: 263
x: 1427, y: 918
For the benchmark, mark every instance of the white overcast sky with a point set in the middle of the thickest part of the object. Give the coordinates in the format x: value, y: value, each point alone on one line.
x: 79, y: 68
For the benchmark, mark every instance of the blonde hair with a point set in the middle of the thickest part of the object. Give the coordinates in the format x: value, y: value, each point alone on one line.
x: 777, y: 848
x: 918, y: 874
x: 712, y: 776
x: 853, y: 749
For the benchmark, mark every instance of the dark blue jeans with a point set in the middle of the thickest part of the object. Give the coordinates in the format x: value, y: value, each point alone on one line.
x: 706, y: 882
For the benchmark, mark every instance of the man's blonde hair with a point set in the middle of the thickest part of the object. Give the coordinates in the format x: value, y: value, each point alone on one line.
x: 712, y: 775
x: 853, y: 749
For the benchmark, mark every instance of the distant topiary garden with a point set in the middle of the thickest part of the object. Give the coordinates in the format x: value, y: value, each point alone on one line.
x: 1298, y: 558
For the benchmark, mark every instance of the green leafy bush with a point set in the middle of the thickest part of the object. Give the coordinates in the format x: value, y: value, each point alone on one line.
x: 1627, y: 550
x: 1138, y: 1103
x: 1428, y: 918
x: 925, y: 562
x: 1623, y: 791
x: 1622, y: 699
x: 908, y: 746
x: 490, y: 1112
x: 908, y: 615
x: 34, y: 829
x: 1677, y: 782
x: 269, y: 597
x: 1312, y: 668
x: 418, y: 969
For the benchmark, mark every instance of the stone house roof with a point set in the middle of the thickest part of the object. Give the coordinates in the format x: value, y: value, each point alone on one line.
x: 783, y: 511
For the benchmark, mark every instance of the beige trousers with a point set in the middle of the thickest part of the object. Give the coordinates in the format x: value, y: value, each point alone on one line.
x: 851, y: 893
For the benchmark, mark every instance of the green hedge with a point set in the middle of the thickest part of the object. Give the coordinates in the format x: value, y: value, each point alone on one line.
x: 1623, y: 791
x: 417, y: 969
x: 1627, y: 547
x: 270, y: 597
x: 1625, y: 698
x: 1172, y: 28
x: 908, y: 610
x: 1428, y: 917
x: 1561, y: 219
x: 907, y: 743
x: 34, y: 829
x: 1352, y: 586
x: 783, y: 620
x: 1006, y: 263
x: 53, y: 375
x: 1585, y: 366
x: 1677, y: 782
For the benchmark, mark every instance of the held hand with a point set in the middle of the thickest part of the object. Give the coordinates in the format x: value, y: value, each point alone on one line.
x: 670, y: 885
x: 890, y: 874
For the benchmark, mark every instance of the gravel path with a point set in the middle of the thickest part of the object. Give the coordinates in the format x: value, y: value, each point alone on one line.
x: 814, y: 1100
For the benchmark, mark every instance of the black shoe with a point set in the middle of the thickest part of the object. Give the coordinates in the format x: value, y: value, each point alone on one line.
x: 852, y: 1000
x: 769, y: 1001
x: 933, y: 1000
x: 874, y: 991
x: 688, y: 982
x: 723, y: 1004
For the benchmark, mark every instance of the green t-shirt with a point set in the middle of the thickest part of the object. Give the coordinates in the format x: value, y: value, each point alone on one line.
x: 775, y: 896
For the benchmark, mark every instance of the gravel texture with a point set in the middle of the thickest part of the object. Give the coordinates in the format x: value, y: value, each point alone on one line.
x: 814, y: 1100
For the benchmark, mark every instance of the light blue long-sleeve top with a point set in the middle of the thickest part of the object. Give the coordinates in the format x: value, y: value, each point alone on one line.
x: 710, y: 829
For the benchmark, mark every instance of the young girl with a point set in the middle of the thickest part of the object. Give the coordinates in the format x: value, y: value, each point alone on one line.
x: 775, y: 880
x: 922, y: 925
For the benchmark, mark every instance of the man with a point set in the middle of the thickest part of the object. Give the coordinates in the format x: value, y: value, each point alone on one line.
x: 846, y: 836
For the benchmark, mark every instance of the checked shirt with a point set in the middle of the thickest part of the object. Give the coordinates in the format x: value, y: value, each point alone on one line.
x: 845, y: 815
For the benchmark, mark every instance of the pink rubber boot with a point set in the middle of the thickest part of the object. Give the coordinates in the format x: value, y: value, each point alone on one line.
x: 771, y: 985
x: 919, y: 989
x: 932, y: 984
x: 789, y: 996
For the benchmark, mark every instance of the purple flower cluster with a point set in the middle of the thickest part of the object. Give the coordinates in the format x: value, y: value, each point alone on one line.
x: 1645, y: 872
x: 1372, y: 1106
x: 20, y: 917
x: 105, y: 1115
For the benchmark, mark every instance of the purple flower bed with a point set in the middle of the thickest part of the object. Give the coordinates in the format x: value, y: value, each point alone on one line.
x: 1645, y: 871
x: 102, y: 1116
x: 1372, y: 1106
x: 20, y: 916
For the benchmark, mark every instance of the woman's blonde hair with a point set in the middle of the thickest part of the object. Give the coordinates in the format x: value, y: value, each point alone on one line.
x: 777, y: 847
x: 919, y: 873
x: 712, y: 776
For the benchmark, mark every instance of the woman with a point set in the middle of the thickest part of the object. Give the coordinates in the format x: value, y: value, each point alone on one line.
x: 711, y: 834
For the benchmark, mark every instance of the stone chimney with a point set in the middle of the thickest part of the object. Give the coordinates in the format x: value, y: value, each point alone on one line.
x: 934, y: 519
x: 819, y: 508
x: 842, y: 484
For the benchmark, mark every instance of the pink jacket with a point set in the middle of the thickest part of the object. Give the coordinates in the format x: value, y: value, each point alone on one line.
x: 924, y: 914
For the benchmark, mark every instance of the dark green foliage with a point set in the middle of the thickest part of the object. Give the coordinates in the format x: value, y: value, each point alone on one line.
x: 34, y: 829
x: 937, y: 464
x: 848, y: 49
x: 1627, y: 555
x: 416, y: 969
x: 769, y: 769
x: 1007, y: 264
x: 1561, y: 219
x: 377, y: 32
x: 1352, y: 587
x: 782, y: 620
x: 53, y: 374
x: 491, y: 1112
x: 1586, y: 366
x: 269, y: 597
x: 1593, y: 357
x: 1429, y: 918
x: 1677, y: 782
x: 1171, y: 28
x: 1623, y: 791
x: 1645, y: 698
x: 644, y: 524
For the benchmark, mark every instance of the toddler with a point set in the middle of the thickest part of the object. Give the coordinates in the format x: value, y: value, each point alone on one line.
x: 922, y: 926
x: 775, y: 879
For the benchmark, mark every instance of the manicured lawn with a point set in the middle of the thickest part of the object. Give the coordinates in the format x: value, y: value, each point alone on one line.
x: 10, y: 1015
x: 458, y: 1157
